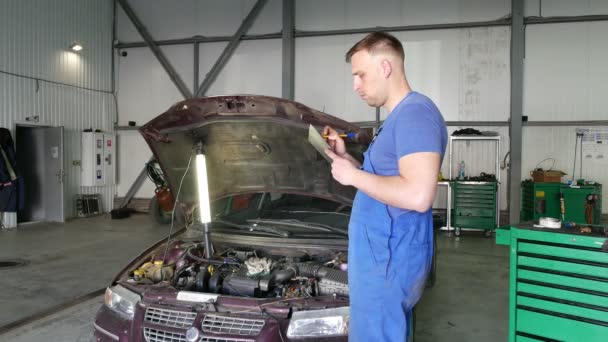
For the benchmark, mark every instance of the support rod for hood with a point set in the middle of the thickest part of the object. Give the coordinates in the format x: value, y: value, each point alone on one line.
x: 208, y: 246
x: 162, y: 59
x: 229, y: 49
x: 288, y: 49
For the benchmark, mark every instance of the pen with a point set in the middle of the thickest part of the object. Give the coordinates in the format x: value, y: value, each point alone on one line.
x: 347, y: 135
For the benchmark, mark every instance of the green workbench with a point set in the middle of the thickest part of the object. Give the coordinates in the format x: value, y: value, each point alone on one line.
x: 558, y: 286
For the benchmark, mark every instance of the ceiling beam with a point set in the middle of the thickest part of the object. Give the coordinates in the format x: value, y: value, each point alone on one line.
x: 229, y: 49
x: 160, y: 56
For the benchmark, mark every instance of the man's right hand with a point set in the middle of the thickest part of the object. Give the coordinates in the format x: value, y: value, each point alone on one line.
x: 335, y: 141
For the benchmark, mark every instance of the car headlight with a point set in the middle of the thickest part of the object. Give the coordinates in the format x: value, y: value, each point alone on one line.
x: 319, y: 323
x: 121, y: 300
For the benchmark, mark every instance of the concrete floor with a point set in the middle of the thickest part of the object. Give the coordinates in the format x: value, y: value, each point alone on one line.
x: 469, y: 302
x: 67, y: 261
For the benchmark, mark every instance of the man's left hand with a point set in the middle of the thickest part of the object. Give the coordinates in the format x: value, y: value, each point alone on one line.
x: 342, y: 169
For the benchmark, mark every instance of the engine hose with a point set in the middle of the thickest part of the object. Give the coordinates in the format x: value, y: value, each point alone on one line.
x: 277, y: 277
x: 318, y: 271
x: 208, y: 261
x: 304, y: 270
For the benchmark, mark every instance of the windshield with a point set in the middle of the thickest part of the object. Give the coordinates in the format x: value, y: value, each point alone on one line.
x: 281, y: 215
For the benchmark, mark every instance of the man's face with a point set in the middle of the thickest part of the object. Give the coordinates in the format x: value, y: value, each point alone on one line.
x: 368, y: 80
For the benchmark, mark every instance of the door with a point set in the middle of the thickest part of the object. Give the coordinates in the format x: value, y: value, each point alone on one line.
x: 53, y: 174
x: 40, y: 160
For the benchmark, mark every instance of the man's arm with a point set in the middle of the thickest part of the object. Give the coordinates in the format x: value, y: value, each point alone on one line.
x: 413, y: 189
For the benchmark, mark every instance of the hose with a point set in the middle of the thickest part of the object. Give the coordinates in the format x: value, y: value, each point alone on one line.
x: 206, y: 260
x: 318, y: 271
x: 305, y: 270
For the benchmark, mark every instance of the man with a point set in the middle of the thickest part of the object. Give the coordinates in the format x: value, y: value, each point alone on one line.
x: 391, y: 225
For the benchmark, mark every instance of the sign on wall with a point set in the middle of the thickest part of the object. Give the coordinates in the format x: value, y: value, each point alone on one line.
x: 595, y: 146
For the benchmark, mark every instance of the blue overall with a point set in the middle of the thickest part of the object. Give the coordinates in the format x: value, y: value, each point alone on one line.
x: 389, y: 257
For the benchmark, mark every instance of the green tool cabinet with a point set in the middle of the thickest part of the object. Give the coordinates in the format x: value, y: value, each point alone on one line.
x: 475, y: 206
x: 558, y: 287
x: 574, y: 200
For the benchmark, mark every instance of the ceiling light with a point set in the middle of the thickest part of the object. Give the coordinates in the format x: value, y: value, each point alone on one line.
x: 75, y: 47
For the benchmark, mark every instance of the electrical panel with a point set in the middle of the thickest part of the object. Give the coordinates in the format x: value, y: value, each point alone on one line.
x: 98, y: 159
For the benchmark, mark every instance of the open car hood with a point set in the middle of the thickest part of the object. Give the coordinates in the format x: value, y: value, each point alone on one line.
x: 251, y: 143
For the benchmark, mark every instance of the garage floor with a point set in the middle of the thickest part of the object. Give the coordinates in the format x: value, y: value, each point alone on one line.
x: 468, y: 303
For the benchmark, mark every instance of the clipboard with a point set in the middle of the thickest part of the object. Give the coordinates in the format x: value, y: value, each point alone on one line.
x: 317, y: 141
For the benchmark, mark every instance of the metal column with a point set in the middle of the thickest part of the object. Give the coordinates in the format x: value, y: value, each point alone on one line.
x: 515, y: 126
x: 196, y: 66
x: 288, y: 49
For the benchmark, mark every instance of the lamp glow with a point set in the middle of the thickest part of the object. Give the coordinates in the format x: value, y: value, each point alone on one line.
x: 76, y: 47
x: 203, y: 188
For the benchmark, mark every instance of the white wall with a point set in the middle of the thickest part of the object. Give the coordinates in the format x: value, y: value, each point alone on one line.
x: 314, y: 15
x: 565, y: 74
x: 34, y: 40
x: 465, y: 71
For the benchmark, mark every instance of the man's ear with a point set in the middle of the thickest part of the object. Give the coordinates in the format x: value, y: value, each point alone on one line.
x: 387, y: 68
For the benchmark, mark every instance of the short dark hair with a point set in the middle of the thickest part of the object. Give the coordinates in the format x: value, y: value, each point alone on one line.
x: 377, y: 42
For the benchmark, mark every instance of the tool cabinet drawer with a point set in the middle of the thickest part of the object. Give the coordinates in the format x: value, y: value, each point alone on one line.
x: 548, y: 326
x: 475, y: 211
x: 474, y: 222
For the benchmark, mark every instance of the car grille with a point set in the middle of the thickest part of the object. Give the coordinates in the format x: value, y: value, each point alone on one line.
x: 170, y: 318
x: 154, y: 335
x: 232, y: 325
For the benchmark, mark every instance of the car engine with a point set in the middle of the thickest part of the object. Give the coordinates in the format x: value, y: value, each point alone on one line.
x: 245, y: 272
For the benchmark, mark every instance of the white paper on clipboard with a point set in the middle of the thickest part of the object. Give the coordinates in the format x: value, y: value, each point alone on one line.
x: 317, y: 141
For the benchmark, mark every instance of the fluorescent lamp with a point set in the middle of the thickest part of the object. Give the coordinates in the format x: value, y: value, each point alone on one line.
x: 203, y: 188
x: 75, y: 47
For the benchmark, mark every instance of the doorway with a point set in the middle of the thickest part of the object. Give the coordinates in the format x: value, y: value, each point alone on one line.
x: 40, y: 161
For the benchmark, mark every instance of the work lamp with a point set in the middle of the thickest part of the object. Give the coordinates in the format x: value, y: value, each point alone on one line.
x: 203, y: 196
x: 203, y: 188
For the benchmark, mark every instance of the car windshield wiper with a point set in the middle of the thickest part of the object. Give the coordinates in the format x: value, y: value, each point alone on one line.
x: 311, y: 212
x: 301, y: 224
x: 253, y: 227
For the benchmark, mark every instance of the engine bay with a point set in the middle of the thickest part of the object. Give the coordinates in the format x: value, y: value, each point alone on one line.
x: 244, y: 272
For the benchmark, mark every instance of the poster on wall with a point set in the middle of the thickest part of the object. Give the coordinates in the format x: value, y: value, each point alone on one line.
x: 595, y: 145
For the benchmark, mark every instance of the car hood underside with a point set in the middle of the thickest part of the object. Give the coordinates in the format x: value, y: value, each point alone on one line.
x: 251, y: 144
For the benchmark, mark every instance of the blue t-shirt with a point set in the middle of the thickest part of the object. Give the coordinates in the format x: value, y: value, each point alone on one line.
x: 414, y: 125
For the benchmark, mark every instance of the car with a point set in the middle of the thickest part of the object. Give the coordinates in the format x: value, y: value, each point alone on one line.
x: 276, y: 264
